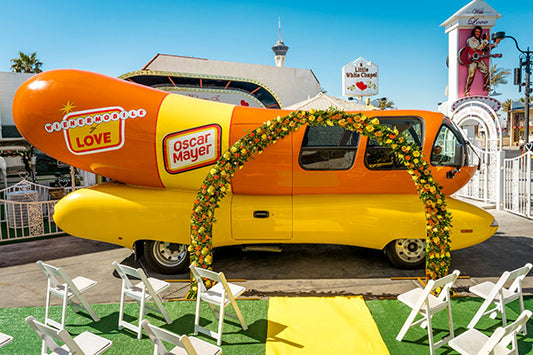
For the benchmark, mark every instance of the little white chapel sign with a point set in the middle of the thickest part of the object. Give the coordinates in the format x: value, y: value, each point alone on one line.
x: 360, y: 78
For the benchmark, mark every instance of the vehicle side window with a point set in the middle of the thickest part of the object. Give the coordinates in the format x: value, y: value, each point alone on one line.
x: 378, y: 157
x: 448, y: 149
x: 328, y: 148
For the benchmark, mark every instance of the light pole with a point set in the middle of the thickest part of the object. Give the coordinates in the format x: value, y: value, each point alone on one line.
x: 525, y: 61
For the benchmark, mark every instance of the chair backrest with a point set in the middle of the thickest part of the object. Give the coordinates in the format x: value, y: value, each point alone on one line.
x: 447, y: 280
x: 200, y: 273
x: 124, y: 271
x: 506, y: 335
x: 158, y: 335
x: 444, y: 282
x: 518, y: 276
x: 52, y: 273
x: 48, y: 334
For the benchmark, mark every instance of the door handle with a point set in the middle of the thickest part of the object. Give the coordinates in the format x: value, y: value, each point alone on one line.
x: 261, y: 214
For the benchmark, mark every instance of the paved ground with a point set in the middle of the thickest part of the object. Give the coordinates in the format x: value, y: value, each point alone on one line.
x: 297, y: 270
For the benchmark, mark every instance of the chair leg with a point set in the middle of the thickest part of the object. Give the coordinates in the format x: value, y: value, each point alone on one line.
x: 88, y: 308
x: 47, y: 307
x: 64, y: 311
x: 220, y: 324
x: 162, y: 309
x: 504, y: 315
x: 430, y: 335
x: 410, y: 319
x: 141, y: 314
x: 450, y: 320
x: 121, y: 309
x: 197, y: 315
x: 480, y: 312
x: 239, y: 316
x: 521, y: 300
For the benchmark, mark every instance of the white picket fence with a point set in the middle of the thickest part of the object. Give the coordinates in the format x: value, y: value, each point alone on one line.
x: 517, y: 185
x: 503, y: 183
x: 484, y: 185
x: 26, y: 211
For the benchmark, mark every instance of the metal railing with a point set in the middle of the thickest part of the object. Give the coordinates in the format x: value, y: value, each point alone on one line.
x: 26, y: 211
x: 517, y: 185
x: 485, y: 184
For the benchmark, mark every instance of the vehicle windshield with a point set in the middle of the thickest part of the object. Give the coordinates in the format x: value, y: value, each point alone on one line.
x: 451, y: 148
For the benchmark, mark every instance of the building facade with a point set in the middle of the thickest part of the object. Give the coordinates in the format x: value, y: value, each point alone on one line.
x: 287, y: 85
x: 9, y: 83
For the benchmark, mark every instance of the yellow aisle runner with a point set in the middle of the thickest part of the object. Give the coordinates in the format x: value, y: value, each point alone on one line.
x: 322, y: 325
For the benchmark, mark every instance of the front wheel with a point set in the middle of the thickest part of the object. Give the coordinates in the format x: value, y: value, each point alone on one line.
x: 165, y: 257
x: 407, y: 253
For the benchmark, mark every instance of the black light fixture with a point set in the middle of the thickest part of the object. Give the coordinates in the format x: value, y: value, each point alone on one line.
x: 525, y: 63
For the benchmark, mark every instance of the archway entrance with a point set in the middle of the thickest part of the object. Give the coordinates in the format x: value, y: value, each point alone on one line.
x: 217, y: 183
x: 482, y: 127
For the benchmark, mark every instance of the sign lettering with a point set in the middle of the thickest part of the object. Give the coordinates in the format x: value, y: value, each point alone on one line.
x: 95, y: 130
x: 192, y: 149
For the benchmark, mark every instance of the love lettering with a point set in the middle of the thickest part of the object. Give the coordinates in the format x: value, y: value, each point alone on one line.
x: 95, y: 139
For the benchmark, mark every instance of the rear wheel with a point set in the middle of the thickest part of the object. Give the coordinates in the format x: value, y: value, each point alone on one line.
x: 165, y: 257
x: 407, y: 253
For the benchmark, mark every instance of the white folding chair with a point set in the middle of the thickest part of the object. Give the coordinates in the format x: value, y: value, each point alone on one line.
x: 144, y: 291
x: 220, y: 295
x: 183, y: 344
x: 499, y: 295
x: 424, y: 302
x: 5, y: 339
x: 62, y: 286
x: 86, y: 343
x: 473, y: 342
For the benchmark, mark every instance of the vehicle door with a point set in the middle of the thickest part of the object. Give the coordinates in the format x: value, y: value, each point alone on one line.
x: 261, y: 208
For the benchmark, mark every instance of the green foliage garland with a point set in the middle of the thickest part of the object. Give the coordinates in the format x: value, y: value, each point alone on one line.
x: 217, y: 183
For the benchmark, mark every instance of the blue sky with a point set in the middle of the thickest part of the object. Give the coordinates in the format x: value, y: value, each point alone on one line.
x: 116, y: 37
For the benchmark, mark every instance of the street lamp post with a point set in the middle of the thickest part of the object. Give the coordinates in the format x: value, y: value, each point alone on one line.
x: 525, y: 61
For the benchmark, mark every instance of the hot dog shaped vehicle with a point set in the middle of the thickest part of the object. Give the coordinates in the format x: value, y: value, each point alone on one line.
x: 318, y: 185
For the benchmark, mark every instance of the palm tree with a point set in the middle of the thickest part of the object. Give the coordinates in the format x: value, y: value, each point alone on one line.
x: 26, y: 63
x: 385, y: 104
x: 506, y: 108
x: 497, y: 77
x: 506, y: 105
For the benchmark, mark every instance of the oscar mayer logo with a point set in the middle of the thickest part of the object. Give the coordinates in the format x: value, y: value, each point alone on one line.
x: 95, y: 130
x: 192, y: 148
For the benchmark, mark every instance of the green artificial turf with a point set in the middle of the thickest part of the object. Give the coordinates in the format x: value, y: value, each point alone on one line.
x: 390, y: 315
x: 234, y: 340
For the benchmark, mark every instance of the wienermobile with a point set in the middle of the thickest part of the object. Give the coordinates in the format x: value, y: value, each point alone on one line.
x: 318, y: 185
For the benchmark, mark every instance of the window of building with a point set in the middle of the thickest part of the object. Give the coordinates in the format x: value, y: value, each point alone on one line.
x: 378, y: 157
x: 328, y: 148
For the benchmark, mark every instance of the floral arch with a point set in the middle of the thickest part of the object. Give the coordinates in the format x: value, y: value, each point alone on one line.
x: 217, y: 183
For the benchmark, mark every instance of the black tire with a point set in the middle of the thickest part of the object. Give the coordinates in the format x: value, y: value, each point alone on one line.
x: 407, y: 253
x: 166, y: 258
